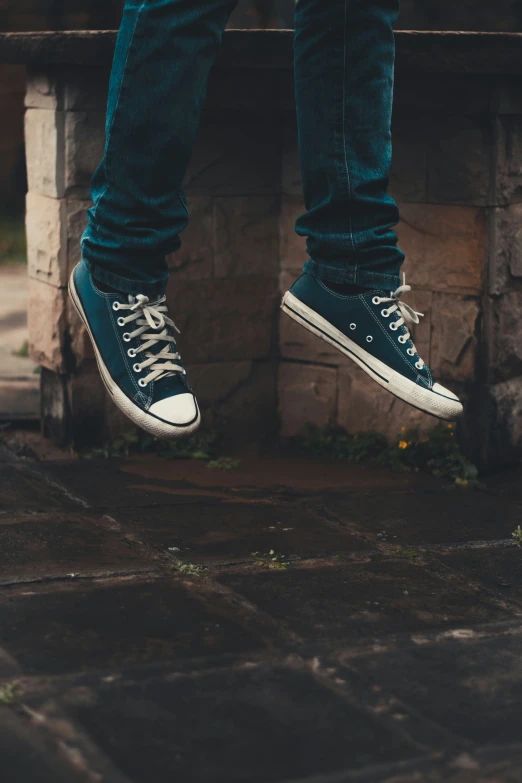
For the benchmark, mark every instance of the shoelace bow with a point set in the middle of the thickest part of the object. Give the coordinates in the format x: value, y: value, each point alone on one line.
x: 147, y: 315
x: 407, y: 313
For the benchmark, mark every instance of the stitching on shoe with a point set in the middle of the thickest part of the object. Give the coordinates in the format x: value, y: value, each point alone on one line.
x: 333, y: 293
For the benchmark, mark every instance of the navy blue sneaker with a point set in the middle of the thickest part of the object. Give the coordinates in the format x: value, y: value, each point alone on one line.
x: 371, y: 330
x: 136, y: 351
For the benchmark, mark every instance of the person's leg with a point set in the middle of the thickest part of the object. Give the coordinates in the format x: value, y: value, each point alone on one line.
x: 344, y: 65
x: 350, y: 294
x: 164, y: 53
x: 163, y: 57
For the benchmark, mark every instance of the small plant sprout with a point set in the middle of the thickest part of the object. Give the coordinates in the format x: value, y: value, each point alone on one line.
x: 11, y: 693
x: 189, y: 569
x: 224, y: 463
x: 517, y: 536
x: 271, y: 559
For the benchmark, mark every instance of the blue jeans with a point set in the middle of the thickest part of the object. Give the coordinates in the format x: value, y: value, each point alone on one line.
x: 344, y: 61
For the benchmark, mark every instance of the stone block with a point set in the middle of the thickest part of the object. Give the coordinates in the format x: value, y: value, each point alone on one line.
x: 501, y: 424
x: 293, y: 247
x: 76, y: 225
x: 307, y: 394
x: 247, y: 413
x: 505, y: 247
x: 79, y: 340
x: 454, y: 337
x: 84, y: 143
x: 43, y: 90
x: 195, y: 259
x: 460, y: 161
x: 74, y: 407
x: 85, y: 88
x: 292, y: 178
x: 445, y: 247
x: 299, y: 344
x: 242, y: 158
x: 247, y: 236
x: 44, y: 144
x: 508, y: 182
x: 47, y: 324
x: 408, y: 177
x: 364, y: 406
x: 221, y: 319
x: 46, y: 227
x: 505, y: 336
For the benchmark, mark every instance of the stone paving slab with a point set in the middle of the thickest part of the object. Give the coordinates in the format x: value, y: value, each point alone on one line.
x: 368, y: 596
x: 228, y: 532
x: 285, y: 725
x: 498, y: 569
x: 441, y: 515
x: 25, y: 488
x: 85, y: 624
x: 471, y: 683
x: 38, y: 546
x: 176, y: 654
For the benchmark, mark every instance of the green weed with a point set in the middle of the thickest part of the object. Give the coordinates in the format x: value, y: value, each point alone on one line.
x: 271, y: 559
x: 517, y: 536
x: 11, y: 693
x: 203, y: 445
x: 23, y: 351
x: 189, y: 569
x: 436, y: 452
x: 224, y: 463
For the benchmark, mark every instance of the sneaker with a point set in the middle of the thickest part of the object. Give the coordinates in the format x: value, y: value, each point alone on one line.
x: 371, y: 330
x: 136, y: 351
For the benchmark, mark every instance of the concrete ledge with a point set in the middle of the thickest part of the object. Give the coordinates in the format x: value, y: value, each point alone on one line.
x: 455, y: 52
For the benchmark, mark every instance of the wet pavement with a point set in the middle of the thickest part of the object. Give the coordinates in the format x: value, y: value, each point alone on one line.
x: 143, y: 641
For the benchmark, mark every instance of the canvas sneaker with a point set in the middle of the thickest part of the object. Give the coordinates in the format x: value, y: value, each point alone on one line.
x: 135, y: 346
x: 371, y: 329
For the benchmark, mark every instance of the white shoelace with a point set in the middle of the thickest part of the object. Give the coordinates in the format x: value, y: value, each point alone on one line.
x: 407, y: 313
x: 150, y: 316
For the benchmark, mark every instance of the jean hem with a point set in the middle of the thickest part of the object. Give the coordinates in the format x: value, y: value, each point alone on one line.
x: 126, y: 285
x: 352, y: 276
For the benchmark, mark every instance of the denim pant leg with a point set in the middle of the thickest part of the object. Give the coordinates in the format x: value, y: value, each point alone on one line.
x: 344, y: 65
x: 164, y: 53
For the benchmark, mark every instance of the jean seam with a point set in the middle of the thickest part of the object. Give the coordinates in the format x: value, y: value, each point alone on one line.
x: 346, y: 166
x: 111, y: 127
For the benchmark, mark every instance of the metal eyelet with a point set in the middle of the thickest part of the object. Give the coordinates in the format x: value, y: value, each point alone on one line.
x: 131, y: 352
x: 121, y: 321
x: 115, y: 305
x: 410, y: 352
x: 402, y: 339
x: 352, y: 326
x: 136, y: 367
x: 384, y: 313
x: 369, y: 339
x: 142, y: 383
x: 376, y: 300
x: 126, y: 337
x: 393, y: 326
x: 418, y: 365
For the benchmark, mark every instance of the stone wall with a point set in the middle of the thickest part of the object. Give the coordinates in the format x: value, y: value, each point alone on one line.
x: 457, y: 177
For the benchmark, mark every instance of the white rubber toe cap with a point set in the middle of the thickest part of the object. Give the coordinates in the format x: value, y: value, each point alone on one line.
x: 449, y: 407
x: 179, y: 409
x: 445, y: 392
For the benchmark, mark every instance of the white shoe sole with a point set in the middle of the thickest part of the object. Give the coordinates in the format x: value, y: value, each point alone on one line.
x: 147, y: 422
x: 426, y: 400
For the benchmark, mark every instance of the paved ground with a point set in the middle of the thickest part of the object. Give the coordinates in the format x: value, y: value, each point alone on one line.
x: 388, y: 648
x: 19, y: 386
